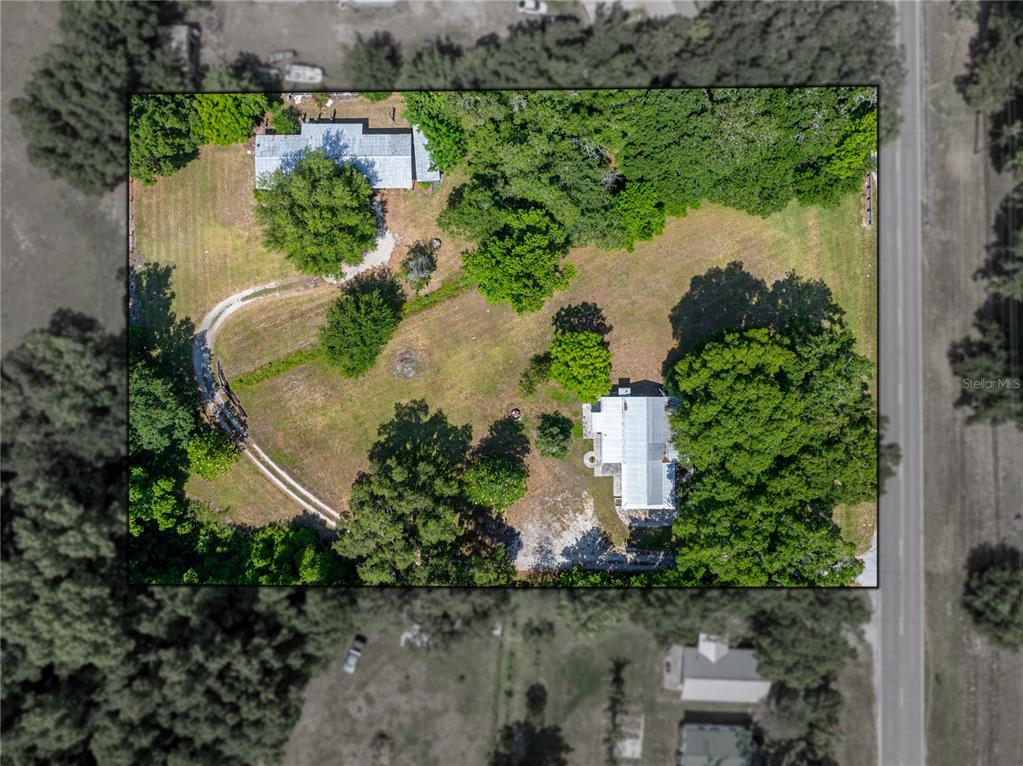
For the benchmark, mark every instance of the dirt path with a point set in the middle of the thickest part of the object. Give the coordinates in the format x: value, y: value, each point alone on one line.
x: 215, y: 399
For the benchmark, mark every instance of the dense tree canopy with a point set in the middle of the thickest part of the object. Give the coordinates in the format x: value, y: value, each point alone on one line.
x: 993, y: 597
x: 76, y: 688
x: 73, y: 110
x: 778, y: 428
x: 163, y: 137
x: 318, y: 214
x: 228, y: 118
x: 581, y: 362
x: 372, y: 64
x: 360, y: 323
x: 521, y: 261
x: 409, y: 522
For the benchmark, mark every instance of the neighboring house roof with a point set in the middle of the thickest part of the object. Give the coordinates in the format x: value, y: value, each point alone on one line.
x: 385, y: 156
x: 716, y: 745
x: 711, y: 672
x: 422, y: 157
x: 634, y: 433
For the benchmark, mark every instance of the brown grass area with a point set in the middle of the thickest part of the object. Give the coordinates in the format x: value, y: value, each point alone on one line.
x: 319, y: 425
x: 857, y: 523
x: 200, y: 221
x: 356, y: 108
x: 412, y: 217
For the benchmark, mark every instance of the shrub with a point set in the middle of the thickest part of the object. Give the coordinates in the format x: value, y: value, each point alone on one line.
x: 581, y: 363
x: 360, y: 323
x: 210, y: 453
x: 418, y: 266
x: 538, y: 371
x: 228, y: 118
x: 994, y: 598
x: 495, y: 482
x: 375, y: 95
x: 321, y: 99
x: 553, y: 435
x: 284, y: 120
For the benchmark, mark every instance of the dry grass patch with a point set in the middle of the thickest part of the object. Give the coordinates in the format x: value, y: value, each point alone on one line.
x: 412, y: 217
x: 272, y: 328
x: 320, y: 425
x: 356, y: 108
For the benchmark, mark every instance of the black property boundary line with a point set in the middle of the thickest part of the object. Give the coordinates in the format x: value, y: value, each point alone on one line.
x: 531, y: 586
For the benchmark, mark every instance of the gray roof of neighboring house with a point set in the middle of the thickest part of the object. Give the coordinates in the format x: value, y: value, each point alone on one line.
x: 384, y: 156
x: 732, y: 678
x: 422, y: 157
x: 634, y: 433
x: 716, y: 745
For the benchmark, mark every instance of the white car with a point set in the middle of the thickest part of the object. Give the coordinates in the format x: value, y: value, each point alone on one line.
x: 532, y: 6
x: 354, y: 654
x: 303, y: 73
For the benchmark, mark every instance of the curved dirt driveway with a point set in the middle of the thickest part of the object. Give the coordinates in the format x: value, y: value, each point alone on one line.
x: 214, y: 398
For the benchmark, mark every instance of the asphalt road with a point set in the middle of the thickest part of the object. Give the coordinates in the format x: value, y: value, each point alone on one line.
x: 899, y: 669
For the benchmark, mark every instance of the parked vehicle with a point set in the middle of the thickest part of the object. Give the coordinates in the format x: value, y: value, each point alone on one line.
x: 532, y: 6
x: 276, y: 56
x: 303, y: 73
x: 354, y: 653
x: 266, y: 74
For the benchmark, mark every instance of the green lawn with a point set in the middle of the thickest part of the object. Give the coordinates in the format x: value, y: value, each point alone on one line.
x: 200, y: 221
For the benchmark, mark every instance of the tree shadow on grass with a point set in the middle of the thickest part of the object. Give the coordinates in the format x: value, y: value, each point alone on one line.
x: 732, y: 298
x: 507, y: 439
x: 381, y: 281
x: 991, y: 366
x: 156, y: 333
x: 524, y: 744
x: 985, y: 556
x: 415, y: 436
x: 581, y: 317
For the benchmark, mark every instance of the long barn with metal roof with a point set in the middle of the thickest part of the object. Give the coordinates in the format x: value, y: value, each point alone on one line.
x: 392, y: 158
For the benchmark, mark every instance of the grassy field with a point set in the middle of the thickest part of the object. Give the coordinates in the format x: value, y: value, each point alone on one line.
x: 200, y: 221
x: 474, y: 352
x: 318, y: 424
x: 447, y: 706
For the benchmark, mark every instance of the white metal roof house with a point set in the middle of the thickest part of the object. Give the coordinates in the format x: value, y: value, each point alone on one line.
x: 713, y: 672
x: 391, y: 158
x: 632, y: 444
